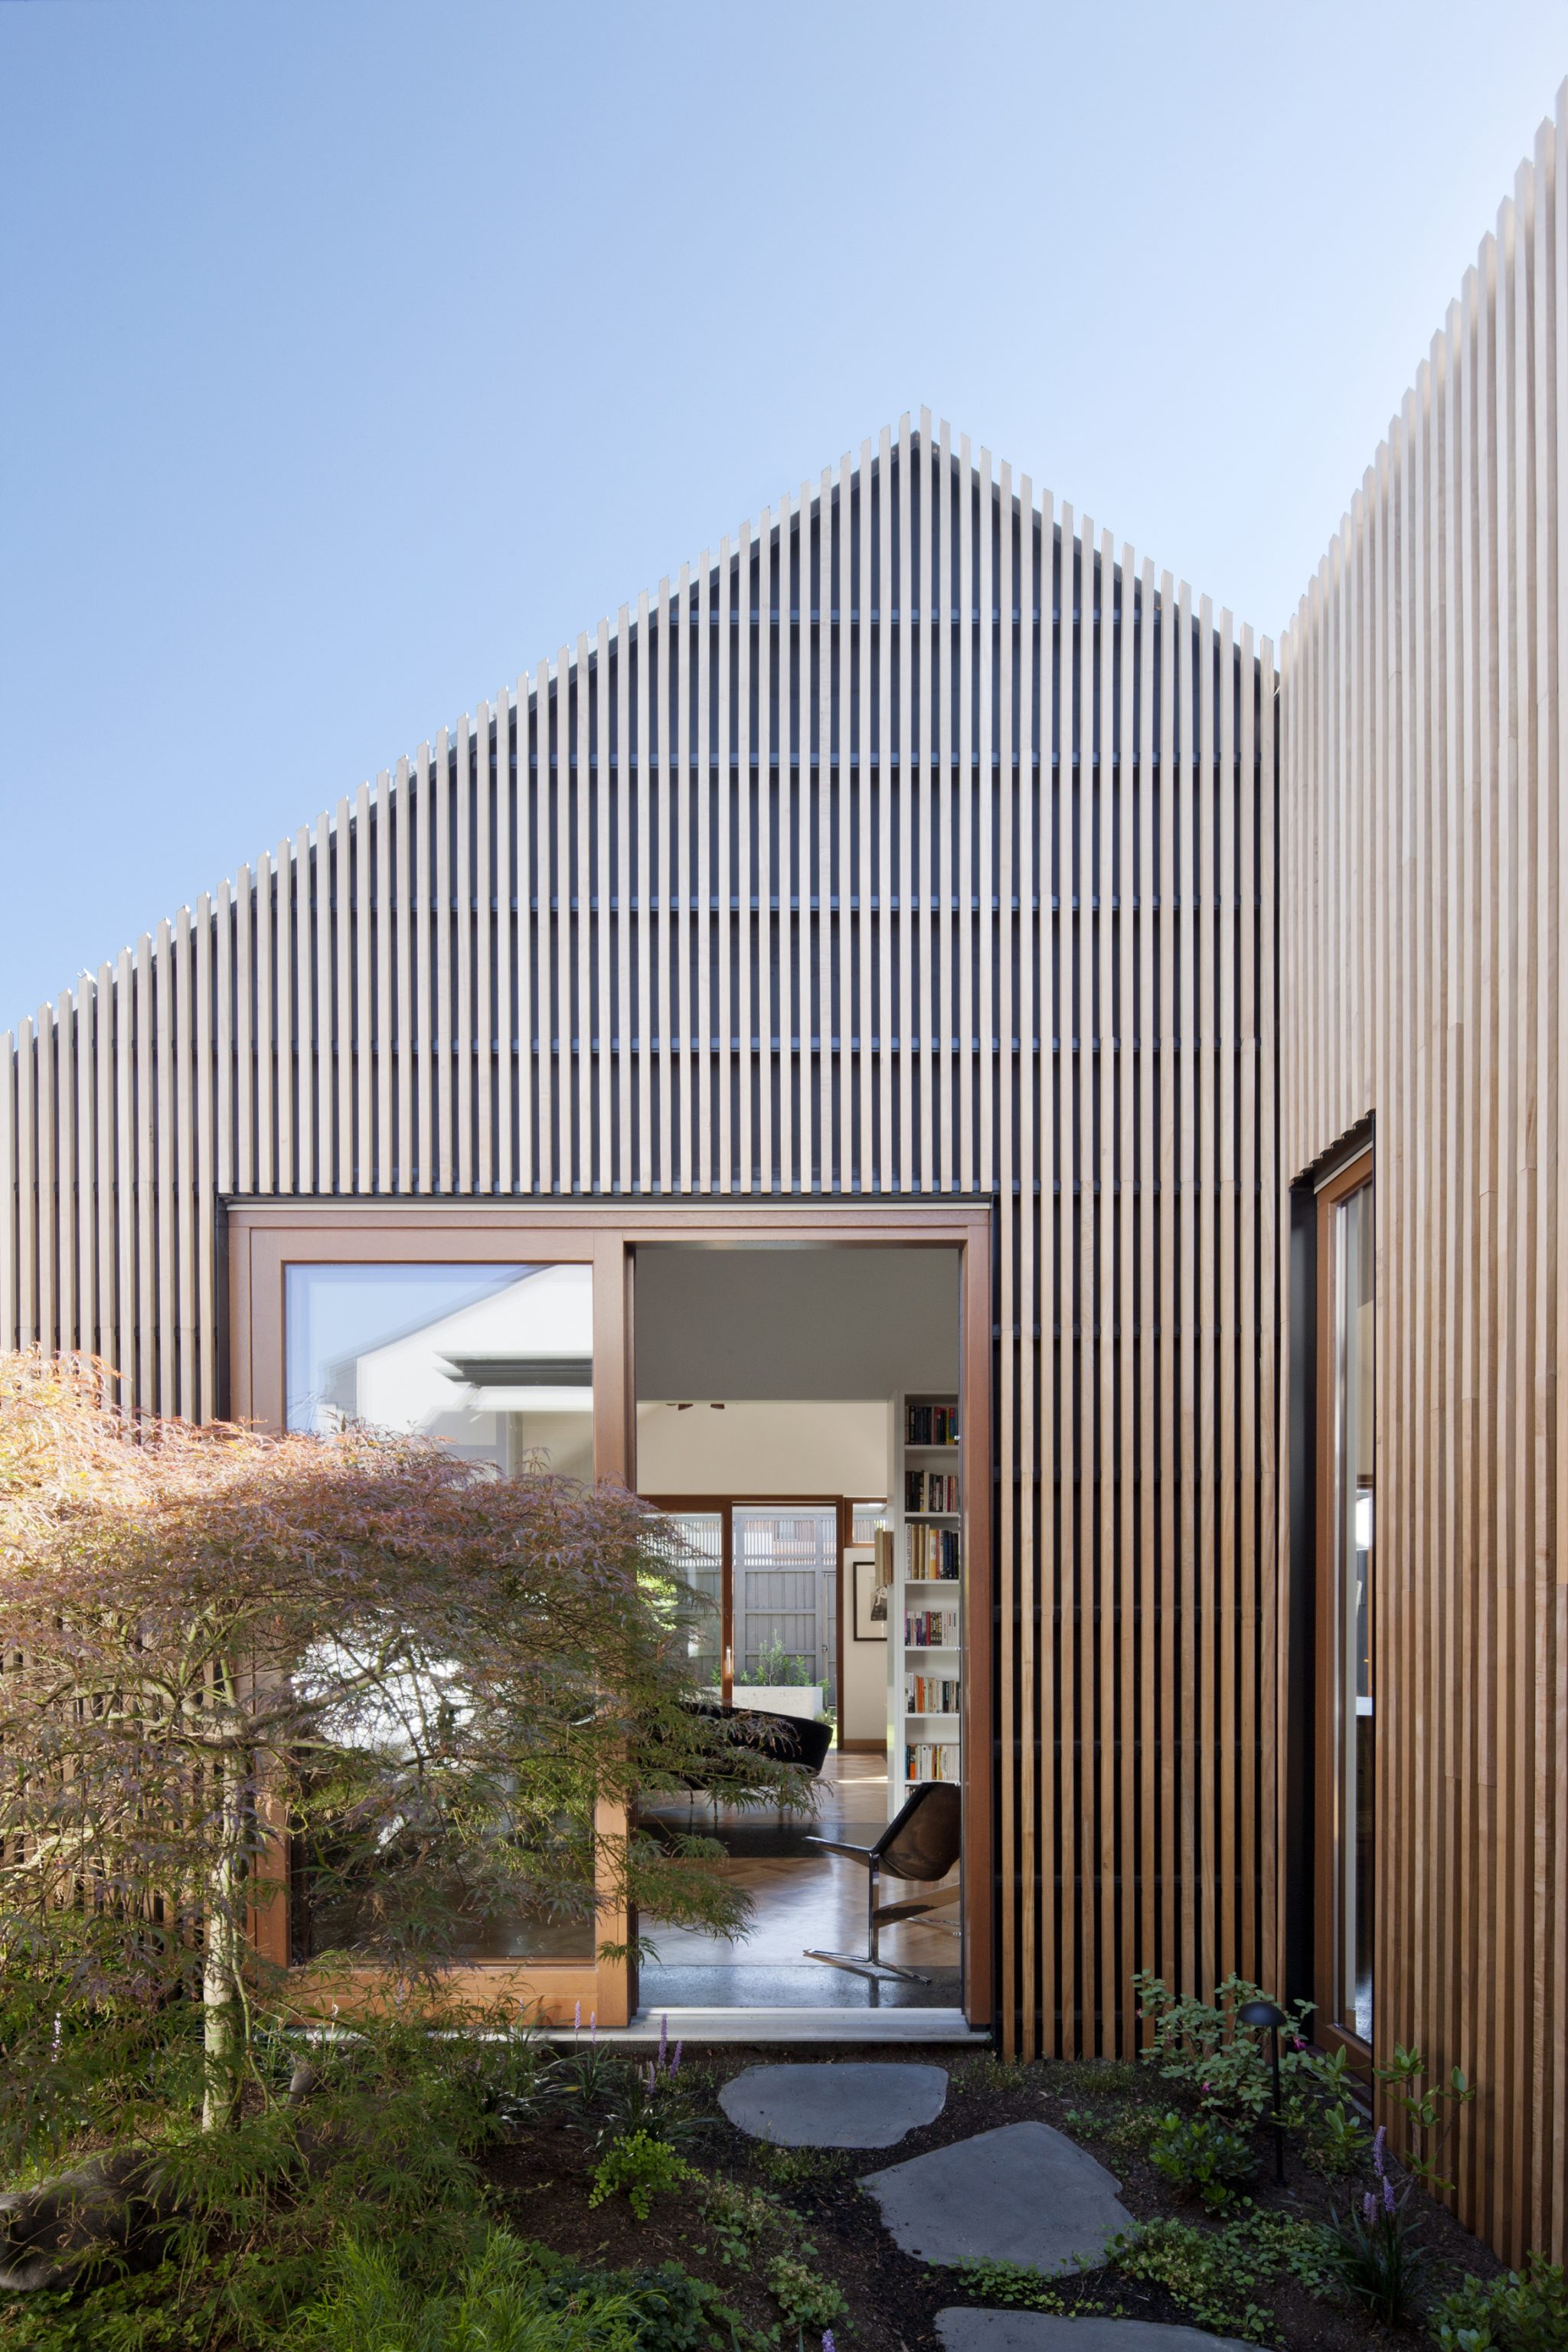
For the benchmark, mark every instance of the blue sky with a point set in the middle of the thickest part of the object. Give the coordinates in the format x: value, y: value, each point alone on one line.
x: 360, y: 351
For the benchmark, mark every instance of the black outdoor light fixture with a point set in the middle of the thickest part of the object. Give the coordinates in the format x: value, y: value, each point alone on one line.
x: 1265, y: 2017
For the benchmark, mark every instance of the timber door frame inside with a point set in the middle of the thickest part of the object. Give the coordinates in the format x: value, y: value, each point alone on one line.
x: 266, y: 1236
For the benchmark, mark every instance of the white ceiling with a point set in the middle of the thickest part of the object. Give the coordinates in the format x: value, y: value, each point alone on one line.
x: 794, y: 1323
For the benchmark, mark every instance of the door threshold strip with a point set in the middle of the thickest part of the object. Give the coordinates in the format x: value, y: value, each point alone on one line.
x: 836, y: 2024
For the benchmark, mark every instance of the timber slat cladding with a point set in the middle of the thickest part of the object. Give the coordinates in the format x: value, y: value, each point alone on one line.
x: 1425, y: 745
x: 919, y: 844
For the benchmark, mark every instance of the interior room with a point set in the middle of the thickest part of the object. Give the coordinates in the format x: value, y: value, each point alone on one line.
x: 797, y: 1412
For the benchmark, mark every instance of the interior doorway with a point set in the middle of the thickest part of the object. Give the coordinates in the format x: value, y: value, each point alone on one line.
x: 797, y: 1412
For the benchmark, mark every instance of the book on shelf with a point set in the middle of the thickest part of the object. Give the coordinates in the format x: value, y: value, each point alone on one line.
x: 930, y: 1628
x: 932, y: 1694
x: 932, y: 1555
x: 930, y: 1760
x: 930, y: 1490
x: 930, y: 1424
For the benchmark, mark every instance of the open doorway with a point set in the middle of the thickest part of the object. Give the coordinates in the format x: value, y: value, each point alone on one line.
x: 799, y: 1413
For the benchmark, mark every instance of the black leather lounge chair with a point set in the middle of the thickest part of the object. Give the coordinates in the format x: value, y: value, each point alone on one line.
x: 920, y: 1844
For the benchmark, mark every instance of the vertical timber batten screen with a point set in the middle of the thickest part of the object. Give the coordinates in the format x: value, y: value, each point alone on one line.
x: 923, y: 842
x: 1426, y: 754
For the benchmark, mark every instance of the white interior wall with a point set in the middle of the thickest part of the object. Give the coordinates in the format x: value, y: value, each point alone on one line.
x: 863, y: 1687
x: 791, y: 1446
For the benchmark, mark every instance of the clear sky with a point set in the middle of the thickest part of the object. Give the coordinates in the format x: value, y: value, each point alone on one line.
x: 359, y: 353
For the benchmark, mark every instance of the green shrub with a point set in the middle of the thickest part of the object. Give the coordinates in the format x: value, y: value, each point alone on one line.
x: 1431, y: 2112
x: 667, y: 2309
x: 1522, y: 2311
x: 1218, y: 2062
x: 1321, y: 2106
x: 639, y: 2169
x: 804, y: 2299
x: 1201, y: 2158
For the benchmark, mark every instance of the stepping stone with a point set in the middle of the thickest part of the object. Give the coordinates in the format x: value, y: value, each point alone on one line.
x: 1024, y: 2193
x: 824, y: 2106
x: 1040, y: 2331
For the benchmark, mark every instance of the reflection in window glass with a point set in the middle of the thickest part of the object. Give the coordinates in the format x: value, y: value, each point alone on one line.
x: 701, y: 1565
x: 865, y: 1520
x: 497, y: 1361
x: 1354, y: 1260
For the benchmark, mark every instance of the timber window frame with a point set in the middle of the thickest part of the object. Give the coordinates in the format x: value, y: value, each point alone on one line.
x: 1345, y: 1764
x: 264, y: 1237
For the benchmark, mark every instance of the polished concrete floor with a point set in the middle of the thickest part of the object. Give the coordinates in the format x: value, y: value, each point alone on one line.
x: 803, y: 1898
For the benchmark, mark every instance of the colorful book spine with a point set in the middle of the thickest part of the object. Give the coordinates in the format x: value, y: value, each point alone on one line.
x: 932, y: 1694
x: 931, y: 1555
x: 930, y: 1628
x: 930, y: 1424
x: 930, y: 1760
x: 929, y: 1491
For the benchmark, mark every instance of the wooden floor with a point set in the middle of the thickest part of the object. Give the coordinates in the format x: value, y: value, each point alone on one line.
x: 811, y: 1899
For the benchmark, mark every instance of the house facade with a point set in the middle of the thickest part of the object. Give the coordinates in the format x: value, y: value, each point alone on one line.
x: 923, y: 866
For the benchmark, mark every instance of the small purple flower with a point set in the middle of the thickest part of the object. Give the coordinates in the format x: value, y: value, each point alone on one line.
x: 675, y: 2069
x: 1387, y: 2194
x: 1369, y: 2206
x: 663, y: 2043
x: 577, y: 2018
x: 1378, y: 2137
x: 828, y: 2343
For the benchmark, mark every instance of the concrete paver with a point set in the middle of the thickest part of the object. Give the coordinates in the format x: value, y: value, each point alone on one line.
x: 1024, y: 2193
x: 825, y: 2105
x: 1042, y: 2331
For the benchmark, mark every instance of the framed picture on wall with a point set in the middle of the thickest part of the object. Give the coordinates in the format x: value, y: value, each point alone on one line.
x: 870, y: 1601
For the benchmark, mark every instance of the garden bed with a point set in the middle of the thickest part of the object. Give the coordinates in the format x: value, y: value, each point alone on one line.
x: 541, y: 2183
x: 424, y: 2144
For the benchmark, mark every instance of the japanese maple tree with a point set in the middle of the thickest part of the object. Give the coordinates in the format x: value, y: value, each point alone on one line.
x: 432, y: 1677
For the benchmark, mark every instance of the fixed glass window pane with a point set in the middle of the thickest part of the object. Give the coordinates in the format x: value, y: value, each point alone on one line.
x: 497, y: 1361
x: 701, y: 1566
x: 1355, y: 1529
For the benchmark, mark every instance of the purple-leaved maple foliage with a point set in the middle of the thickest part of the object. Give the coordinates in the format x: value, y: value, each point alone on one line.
x: 417, y: 1695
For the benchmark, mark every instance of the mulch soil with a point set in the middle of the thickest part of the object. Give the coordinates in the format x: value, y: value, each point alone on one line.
x: 541, y: 2183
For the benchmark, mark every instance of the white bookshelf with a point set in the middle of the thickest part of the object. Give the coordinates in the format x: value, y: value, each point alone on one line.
x: 926, y: 1600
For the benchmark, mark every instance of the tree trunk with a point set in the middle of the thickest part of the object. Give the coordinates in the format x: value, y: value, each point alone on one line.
x: 223, y: 2034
